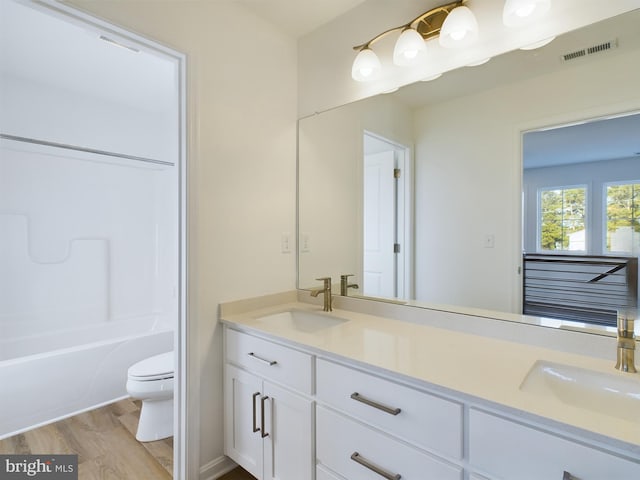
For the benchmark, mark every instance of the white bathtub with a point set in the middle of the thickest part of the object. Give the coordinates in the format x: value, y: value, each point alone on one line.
x: 63, y: 373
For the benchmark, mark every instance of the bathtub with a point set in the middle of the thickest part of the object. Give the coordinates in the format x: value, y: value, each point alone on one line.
x: 60, y: 374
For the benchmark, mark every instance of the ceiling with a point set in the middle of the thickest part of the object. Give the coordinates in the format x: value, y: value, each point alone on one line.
x: 299, y: 17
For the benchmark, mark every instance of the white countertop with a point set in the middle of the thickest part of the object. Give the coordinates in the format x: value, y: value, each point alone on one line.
x: 486, y: 368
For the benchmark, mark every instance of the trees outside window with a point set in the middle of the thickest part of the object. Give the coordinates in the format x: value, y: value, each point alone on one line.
x: 562, y: 218
x: 623, y: 218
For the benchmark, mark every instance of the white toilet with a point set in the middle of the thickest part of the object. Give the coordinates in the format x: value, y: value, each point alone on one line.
x: 151, y: 380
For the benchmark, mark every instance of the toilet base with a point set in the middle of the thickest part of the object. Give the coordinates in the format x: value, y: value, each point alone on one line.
x: 156, y: 420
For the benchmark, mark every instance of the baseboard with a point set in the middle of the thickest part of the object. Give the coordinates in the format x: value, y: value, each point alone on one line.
x: 216, y: 468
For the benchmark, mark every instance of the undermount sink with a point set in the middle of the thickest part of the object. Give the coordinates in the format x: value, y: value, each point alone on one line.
x: 303, y: 321
x: 614, y: 394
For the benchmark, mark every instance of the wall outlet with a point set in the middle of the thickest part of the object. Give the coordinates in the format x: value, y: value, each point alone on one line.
x: 305, y: 243
x: 489, y: 241
x: 285, y: 242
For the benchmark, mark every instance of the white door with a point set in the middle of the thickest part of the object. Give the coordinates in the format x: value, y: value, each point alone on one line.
x: 243, y: 393
x: 379, y: 263
x: 288, y: 448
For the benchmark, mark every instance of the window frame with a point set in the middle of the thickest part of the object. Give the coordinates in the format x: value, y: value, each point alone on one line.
x: 587, y: 228
x: 605, y: 219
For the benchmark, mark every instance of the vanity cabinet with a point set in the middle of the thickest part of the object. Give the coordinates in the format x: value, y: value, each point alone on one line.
x: 502, y: 449
x: 268, y: 426
x: 371, y: 427
x: 427, y: 421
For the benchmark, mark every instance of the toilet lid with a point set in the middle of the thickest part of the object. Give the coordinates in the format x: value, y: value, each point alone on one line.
x: 156, y: 366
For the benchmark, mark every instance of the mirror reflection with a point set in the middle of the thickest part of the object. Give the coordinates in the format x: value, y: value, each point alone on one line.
x: 449, y: 228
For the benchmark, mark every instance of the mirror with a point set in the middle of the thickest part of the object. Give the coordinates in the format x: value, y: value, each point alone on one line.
x: 456, y: 216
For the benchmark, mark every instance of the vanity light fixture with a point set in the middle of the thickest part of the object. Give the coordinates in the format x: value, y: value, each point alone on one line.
x: 540, y: 44
x: 521, y: 12
x: 454, y: 20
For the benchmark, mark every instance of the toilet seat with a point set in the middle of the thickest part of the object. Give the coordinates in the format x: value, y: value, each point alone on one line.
x: 158, y: 367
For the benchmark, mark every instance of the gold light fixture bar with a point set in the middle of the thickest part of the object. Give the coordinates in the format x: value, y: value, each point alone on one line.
x: 427, y: 24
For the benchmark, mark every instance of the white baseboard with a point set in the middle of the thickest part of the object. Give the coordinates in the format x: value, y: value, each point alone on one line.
x: 216, y: 468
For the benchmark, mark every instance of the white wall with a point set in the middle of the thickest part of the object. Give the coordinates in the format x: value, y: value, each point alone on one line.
x: 330, y: 179
x: 242, y: 146
x: 468, y: 152
x: 325, y: 55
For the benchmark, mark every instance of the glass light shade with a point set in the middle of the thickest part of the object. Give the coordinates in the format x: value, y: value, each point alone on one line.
x: 366, y: 66
x: 431, y: 77
x: 410, y: 48
x: 460, y: 28
x: 520, y: 12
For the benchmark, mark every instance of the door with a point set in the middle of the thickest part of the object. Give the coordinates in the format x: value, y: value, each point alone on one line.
x: 242, y: 418
x: 288, y: 448
x: 379, y: 263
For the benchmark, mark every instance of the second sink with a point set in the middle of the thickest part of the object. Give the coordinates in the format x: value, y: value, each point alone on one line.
x: 614, y: 394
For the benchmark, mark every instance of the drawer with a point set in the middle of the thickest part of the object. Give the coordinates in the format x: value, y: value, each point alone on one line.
x: 425, y: 420
x: 324, y: 474
x: 506, y: 450
x: 341, y: 443
x: 270, y: 360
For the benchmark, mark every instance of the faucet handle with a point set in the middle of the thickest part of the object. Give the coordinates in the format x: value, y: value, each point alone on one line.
x: 346, y: 276
x: 326, y: 280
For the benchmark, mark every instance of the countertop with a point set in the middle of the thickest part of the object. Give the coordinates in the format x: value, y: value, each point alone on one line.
x: 482, y: 367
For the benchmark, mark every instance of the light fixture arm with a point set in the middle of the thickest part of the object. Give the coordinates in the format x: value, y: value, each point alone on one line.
x: 428, y: 24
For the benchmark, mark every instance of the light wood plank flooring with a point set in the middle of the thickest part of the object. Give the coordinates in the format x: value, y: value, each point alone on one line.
x: 104, y: 440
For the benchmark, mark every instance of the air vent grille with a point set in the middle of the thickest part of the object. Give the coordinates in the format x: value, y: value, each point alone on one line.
x: 584, y: 52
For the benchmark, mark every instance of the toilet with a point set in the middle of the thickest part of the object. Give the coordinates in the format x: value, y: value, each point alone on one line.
x: 151, y: 380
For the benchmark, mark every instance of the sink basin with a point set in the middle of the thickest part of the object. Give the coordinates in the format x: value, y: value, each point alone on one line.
x: 302, y: 321
x: 616, y: 395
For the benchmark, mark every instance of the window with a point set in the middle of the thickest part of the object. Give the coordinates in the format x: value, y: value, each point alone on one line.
x: 623, y: 218
x: 562, y: 218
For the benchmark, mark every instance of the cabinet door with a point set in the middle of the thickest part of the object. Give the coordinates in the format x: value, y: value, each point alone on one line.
x: 288, y: 448
x: 242, y: 443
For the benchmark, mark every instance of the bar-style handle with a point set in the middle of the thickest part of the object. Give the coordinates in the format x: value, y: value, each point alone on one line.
x: 567, y: 476
x: 390, y: 410
x: 262, y: 400
x: 356, y: 457
x: 263, y: 360
x: 255, y: 427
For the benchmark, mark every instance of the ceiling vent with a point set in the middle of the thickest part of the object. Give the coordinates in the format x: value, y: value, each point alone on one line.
x: 592, y: 50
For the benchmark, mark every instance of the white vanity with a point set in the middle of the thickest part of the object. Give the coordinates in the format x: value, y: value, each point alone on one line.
x: 358, y: 396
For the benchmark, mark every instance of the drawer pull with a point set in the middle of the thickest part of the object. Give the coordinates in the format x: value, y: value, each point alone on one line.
x: 264, y: 360
x: 567, y: 476
x: 262, y: 400
x: 359, y: 398
x: 255, y: 427
x: 356, y: 457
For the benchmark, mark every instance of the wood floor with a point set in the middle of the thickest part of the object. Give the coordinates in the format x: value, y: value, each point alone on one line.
x: 104, y: 440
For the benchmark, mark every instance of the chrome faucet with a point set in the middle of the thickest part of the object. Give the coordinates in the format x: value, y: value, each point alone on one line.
x: 345, y: 285
x: 626, y: 343
x: 326, y: 291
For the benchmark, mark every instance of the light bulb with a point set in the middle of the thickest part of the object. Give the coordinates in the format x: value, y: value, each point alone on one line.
x: 460, y: 28
x: 366, y: 66
x: 520, y: 12
x: 409, y: 49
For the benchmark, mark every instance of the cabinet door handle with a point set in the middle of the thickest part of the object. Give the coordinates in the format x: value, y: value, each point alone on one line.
x: 359, y: 398
x: 567, y: 476
x: 255, y: 427
x: 356, y: 457
x: 262, y: 400
x: 264, y: 360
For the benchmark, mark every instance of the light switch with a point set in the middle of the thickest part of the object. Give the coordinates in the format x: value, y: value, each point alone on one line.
x: 305, y: 243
